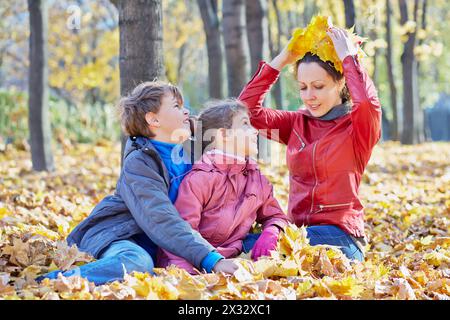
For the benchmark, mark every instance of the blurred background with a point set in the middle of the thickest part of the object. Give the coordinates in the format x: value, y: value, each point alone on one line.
x: 86, y: 54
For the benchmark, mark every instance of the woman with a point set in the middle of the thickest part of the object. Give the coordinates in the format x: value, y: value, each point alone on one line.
x: 328, y: 144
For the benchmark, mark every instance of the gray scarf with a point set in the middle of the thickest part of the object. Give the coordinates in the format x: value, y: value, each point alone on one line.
x: 337, y: 111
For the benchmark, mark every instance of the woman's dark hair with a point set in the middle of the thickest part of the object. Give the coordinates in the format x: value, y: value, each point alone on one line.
x: 328, y: 67
x: 216, y: 115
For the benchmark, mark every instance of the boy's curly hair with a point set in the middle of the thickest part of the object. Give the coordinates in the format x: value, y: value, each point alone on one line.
x: 146, y: 97
x: 217, y: 114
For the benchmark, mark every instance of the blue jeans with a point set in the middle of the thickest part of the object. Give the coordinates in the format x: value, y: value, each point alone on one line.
x: 139, y: 254
x: 332, y: 235
x: 119, y: 257
x: 323, y: 234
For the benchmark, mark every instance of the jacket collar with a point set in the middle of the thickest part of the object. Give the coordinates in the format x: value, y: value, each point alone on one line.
x: 145, y: 145
x: 220, y: 161
x: 334, y: 113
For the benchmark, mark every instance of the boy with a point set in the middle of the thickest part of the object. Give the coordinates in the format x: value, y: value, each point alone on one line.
x: 125, y: 229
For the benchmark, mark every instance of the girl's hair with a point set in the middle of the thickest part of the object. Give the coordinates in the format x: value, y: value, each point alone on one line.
x: 146, y: 97
x: 328, y: 67
x: 216, y: 115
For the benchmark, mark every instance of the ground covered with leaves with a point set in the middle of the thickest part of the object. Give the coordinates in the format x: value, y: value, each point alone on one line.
x: 406, y: 191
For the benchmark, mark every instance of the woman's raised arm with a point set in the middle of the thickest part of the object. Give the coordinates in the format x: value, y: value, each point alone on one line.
x: 278, y: 123
x: 366, y: 112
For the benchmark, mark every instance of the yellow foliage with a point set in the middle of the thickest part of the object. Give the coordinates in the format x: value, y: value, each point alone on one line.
x: 4, y: 212
x: 187, y: 36
x: 84, y: 59
x: 314, y: 39
x: 348, y: 286
x: 407, y: 222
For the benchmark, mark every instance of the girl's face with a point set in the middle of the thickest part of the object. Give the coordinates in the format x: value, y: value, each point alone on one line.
x: 318, y: 90
x: 242, y: 139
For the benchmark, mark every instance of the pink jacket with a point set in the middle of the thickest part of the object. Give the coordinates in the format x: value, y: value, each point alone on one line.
x: 222, y: 201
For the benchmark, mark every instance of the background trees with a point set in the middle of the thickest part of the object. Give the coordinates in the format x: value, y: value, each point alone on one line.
x: 394, y: 130
x: 412, y: 115
x: 141, y: 44
x: 39, y: 122
x: 236, y: 50
x: 98, y: 50
x: 211, y: 24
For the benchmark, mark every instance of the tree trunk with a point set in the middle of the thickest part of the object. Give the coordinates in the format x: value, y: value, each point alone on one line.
x: 412, y: 114
x: 211, y: 25
x: 373, y: 34
x: 350, y: 14
x: 309, y: 10
x: 38, y: 118
x: 257, y: 35
x: 257, y: 31
x: 277, y: 88
x: 394, y: 133
x: 375, y: 74
x: 180, y: 66
x: 291, y: 21
x: 235, y: 45
x: 427, y: 136
x: 141, y: 44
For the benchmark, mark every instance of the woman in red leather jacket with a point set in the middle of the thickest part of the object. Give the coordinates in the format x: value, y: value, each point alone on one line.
x: 329, y: 143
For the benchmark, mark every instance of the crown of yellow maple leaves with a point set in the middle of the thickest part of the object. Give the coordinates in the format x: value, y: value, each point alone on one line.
x: 314, y: 39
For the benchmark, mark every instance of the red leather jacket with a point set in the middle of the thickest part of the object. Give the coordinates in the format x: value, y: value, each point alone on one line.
x: 326, y: 159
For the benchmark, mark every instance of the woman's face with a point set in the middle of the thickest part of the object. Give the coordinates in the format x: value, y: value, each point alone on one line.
x: 318, y: 90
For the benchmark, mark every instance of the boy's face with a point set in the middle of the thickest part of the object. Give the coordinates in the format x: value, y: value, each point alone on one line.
x: 171, y: 123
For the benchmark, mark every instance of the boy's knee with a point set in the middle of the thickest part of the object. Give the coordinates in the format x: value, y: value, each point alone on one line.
x: 139, y: 261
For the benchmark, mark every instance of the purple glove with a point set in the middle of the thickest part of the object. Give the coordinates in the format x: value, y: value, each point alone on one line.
x: 267, y: 241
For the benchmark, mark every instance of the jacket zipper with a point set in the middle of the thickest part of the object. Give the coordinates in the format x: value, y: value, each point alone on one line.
x: 316, y: 183
x: 322, y: 206
x: 303, y: 144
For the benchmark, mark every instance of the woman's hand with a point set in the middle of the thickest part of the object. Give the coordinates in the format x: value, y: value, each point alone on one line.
x: 342, y: 43
x: 284, y: 58
x: 226, y: 266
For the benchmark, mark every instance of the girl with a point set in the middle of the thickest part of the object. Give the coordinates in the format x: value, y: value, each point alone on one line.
x: 328, y: 144
x: 225, y: 193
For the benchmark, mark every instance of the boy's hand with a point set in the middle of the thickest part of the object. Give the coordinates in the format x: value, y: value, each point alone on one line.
x: 226, y: 266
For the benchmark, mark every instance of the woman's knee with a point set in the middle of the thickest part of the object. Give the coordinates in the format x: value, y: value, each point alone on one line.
x: 353, y: 253
x: 316, y: 235
x: 334, y: 236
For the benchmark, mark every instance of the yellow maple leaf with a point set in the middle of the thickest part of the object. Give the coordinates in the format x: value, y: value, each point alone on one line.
x: 304, y: 289
x: 436, y: 258
x: 314, y: 39
x: 4, y: 212
x: 348, y: 286
x: 287, y: 268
